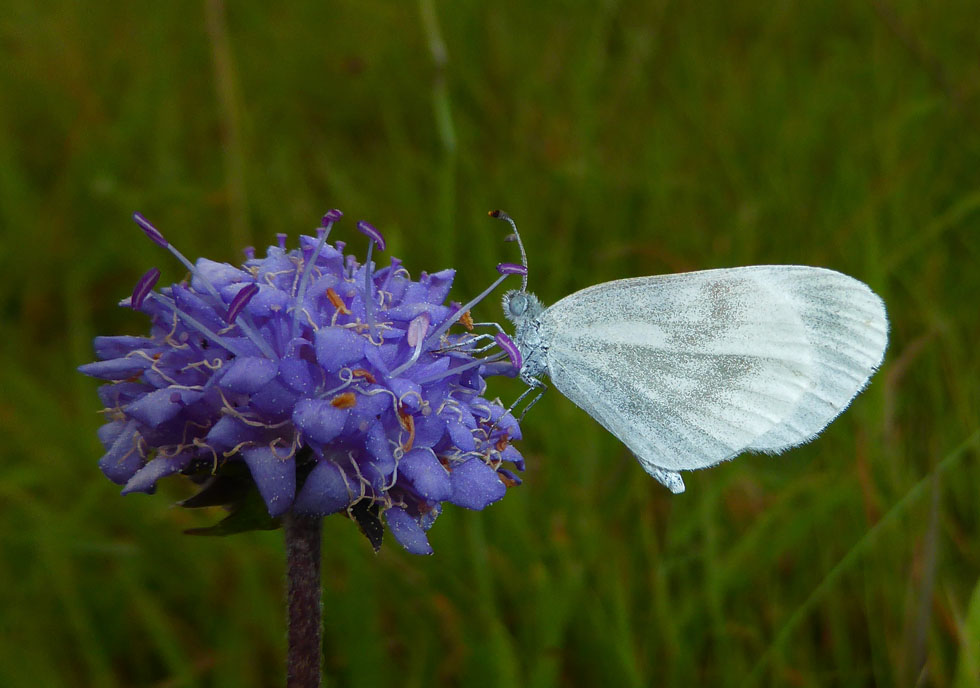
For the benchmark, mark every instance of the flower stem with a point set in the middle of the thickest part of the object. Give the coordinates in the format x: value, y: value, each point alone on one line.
x: 303, y: 600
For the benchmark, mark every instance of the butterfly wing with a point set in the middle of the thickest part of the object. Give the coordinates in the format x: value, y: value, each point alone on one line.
x: 692, y: 369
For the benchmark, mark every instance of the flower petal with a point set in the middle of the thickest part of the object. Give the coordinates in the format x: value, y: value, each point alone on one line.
x: 119, y: 346
x: 461, y: 435
x: 407, y: 531
x: 248, y: 374
x: 144, y: 480
x: 229, y: 432
x: 297, y: 375
x: 162, y: 405
x: 422, y: 469
x: 337, y: 347
x: 319, y: 420
x: 475, y: 485
x: 275, y: 400
x: 274, y: 476
x: 123, y: 458
x: 116, y: 368
x: 324, y: 492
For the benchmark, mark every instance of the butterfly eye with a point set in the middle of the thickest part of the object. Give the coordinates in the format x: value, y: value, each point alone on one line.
x: 517, y: 304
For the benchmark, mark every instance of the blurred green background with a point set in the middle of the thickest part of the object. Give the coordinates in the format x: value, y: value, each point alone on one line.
x: 626, y: 138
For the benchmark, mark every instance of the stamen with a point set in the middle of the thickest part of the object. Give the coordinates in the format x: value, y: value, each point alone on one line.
x: 510, y: 348
x: 415, y: 337
x: 196, y: 325
x: 459, y: 369
x: 307, y: 270
x: 331, y: 216
x: 249, y: 252
x: 511, y: 269
x: 368, y: 229
x: 392, y: 269
x: 143, y: 288
x: 451, y: 320
x: 281, y: 239
x: 247, y: 327
x: 150, y: 230
x: 337, y: 302
x: 241, y: 300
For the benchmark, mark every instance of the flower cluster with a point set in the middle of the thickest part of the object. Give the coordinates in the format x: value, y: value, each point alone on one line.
x: 337, y: 384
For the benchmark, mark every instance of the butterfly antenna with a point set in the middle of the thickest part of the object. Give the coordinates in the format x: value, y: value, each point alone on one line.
x: 500, y: 214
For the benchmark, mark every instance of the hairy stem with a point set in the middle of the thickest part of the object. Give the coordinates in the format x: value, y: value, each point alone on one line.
x: 303, y: 600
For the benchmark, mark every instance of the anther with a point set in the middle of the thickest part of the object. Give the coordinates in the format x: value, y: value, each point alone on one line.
x: 331, y: 216
x: 376, y: 237
x: 150, y: 230
x: 337, y: 302
x: 246, y: 326
x: 241, y: 300
x: 510, y: 348
x: 367, y: 229
x: 143, y: 287
x: 195, y: 324
x: 511, y: 269
x: 344, y: 401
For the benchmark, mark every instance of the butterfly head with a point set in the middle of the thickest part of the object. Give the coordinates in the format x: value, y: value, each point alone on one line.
x: 521, y: 306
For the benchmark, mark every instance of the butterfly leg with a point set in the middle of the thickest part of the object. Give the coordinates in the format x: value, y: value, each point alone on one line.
x: 496, y: 326
x: 533, y: 384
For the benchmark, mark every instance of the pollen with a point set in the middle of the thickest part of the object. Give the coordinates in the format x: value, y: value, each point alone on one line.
x: 337, y: 302
x: 507, y: 480
x: 407, y: 422
x: 466, y: 320
x: 344, y: 401
x: 366, y: 374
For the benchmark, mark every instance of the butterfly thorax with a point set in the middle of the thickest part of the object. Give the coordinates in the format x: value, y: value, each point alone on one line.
x: 523, y: 309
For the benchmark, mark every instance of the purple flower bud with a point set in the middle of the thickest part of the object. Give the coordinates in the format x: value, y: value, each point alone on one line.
x: 511, y: 269
x: 368, y: 230
x: 143, y: 288
x: 150, y: 230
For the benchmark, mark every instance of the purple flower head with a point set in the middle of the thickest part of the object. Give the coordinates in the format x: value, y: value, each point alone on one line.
x: 322, y: 384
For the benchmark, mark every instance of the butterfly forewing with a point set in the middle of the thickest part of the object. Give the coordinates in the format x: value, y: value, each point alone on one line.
x: 692, y: 369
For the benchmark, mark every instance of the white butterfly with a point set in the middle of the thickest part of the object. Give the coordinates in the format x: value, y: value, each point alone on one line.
x: 692, y: 369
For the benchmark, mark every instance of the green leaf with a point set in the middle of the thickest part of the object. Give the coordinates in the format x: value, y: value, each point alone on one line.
x: 249, y: 513
x: 367, y: 514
